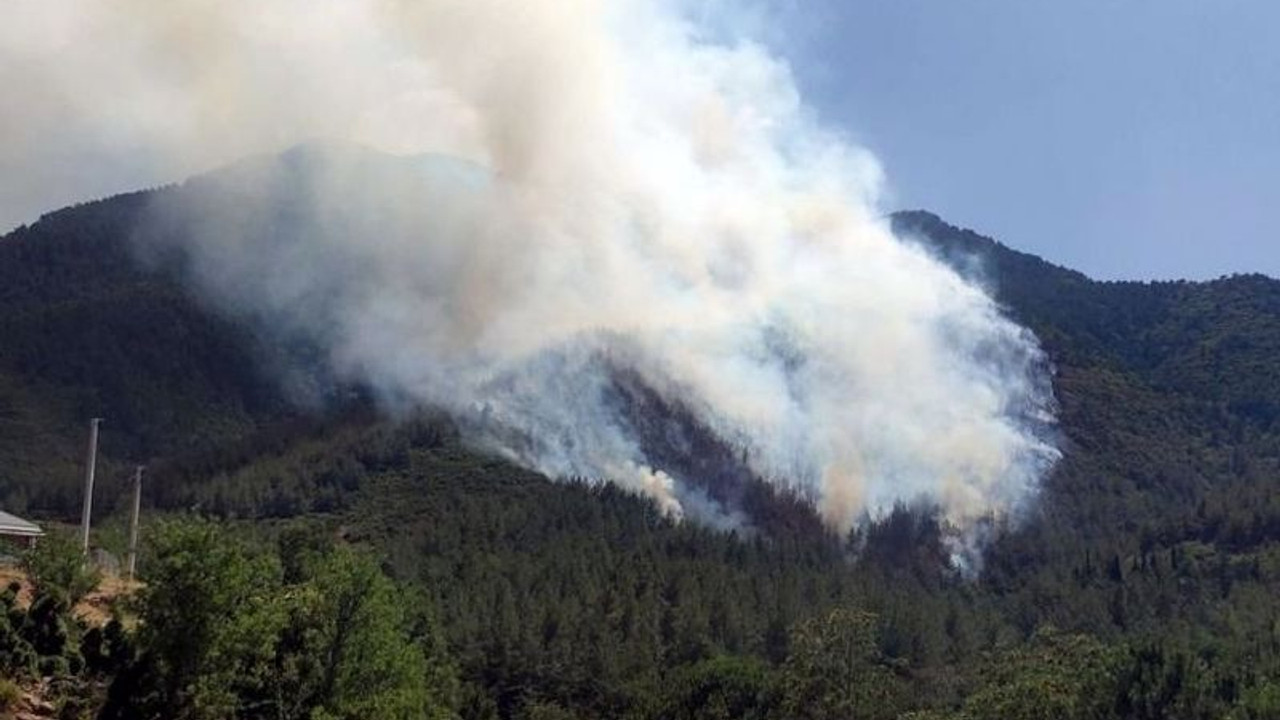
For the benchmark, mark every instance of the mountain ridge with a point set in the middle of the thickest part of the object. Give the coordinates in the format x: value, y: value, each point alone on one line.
x: 1130, y: 327
x: 1159, y: 531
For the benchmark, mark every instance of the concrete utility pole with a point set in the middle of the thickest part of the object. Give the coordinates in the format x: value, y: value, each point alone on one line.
x: 90, y: 463
x: 133, y: 520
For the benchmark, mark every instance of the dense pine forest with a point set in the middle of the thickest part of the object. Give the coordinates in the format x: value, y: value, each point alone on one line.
x: 318, y: 559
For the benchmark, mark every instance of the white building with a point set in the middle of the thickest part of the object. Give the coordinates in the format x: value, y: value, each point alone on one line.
x: 18, y: 531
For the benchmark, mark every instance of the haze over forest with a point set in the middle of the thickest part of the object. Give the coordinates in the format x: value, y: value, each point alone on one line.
x: 568, y: 361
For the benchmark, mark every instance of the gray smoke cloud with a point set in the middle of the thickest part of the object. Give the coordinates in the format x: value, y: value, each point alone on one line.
x: 587, y: 189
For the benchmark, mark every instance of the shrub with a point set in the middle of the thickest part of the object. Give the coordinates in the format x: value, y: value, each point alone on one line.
x: 57, y: 566
x: 10, y: 695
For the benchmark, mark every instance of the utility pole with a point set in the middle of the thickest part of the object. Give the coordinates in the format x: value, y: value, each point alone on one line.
x: 133, y: 520
x: 90, y: 463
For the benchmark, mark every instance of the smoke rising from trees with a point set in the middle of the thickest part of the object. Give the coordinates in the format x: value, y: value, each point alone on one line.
x: 611, y: 188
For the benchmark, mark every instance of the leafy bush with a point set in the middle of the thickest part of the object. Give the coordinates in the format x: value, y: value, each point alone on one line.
x: 222, y: 635
x: 56, y: 566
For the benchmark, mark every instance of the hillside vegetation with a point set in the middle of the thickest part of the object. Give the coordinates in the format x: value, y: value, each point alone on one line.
x: 1142, y: 584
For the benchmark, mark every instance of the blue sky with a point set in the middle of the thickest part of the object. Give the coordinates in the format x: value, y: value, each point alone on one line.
x: 1124, y: 138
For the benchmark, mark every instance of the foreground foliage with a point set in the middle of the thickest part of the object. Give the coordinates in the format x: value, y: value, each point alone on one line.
x: 224, y: 633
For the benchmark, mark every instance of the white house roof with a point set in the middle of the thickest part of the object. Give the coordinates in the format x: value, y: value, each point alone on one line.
x: 14, y: 525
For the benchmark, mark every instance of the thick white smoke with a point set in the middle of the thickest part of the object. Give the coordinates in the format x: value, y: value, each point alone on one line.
x: 611, y: 194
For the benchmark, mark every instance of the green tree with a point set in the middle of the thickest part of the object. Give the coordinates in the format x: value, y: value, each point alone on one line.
x: 17, y: 657
x: 1053, y: 677
x: 722, y: 688
x: 836, y: 670
x: 1156, y: 681
x: 1260, y: 702
x: 348, y: 653
x: 209, y: 619
x: 56, y: 565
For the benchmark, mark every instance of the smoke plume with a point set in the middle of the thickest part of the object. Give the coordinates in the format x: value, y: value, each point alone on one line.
x: 584, y: 190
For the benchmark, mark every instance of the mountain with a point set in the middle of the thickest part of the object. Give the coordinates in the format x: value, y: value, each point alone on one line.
x: 1159, y: 530
x: 89, y: 332
x: 1168, y: 406
x: 1167, y: 389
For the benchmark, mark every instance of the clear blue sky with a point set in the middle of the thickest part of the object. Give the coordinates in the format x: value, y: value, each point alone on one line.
x: 1124, y: 138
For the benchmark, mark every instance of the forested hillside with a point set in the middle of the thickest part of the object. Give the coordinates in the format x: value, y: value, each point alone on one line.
x: 88, y: 332
x: 1142, y: 584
